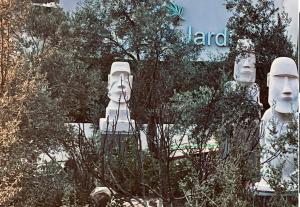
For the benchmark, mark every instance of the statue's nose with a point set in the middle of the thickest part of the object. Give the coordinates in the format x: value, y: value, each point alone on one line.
x: 247, y: 63
x: 121, y: 81
x: 121, y: 86
x: 286, y: 87
x: 122, y: 77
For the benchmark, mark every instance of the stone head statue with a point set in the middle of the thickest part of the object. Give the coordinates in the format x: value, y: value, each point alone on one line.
x: 283, y: 83
x: 101, y: 196
x: 244, y: 65
x: 119, y: 82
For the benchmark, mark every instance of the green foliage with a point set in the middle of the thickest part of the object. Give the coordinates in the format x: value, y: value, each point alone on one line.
x: 64, y: 80
x: 79, y: 91
x: 221, y: 188
x: 189, y: 102
x: 32, y: 123
x: 216, y: 178
x: 283, y: 148
x: 29, y: 120
x: 41, y: 31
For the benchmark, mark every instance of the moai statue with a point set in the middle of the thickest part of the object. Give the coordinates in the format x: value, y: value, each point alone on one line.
x: 117, y: 119
x: 245, y: 71
x: 277, y: 150
x: 244, y: 85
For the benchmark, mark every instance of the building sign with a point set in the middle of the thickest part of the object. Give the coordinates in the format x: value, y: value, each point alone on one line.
x: 209, y: 38
x: 204, y: 23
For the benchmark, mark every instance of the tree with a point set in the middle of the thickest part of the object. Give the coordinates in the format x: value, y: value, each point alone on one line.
x: 31, y: 124
x: 12, y: 14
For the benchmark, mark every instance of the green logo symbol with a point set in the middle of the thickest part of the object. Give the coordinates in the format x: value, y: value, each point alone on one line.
x: 175, y: 11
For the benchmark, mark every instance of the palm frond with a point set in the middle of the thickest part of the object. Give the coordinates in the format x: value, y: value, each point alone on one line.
x: 175, y: 10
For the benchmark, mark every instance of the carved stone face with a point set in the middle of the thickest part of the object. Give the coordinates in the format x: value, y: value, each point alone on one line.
x: 244, y: 65
x: 244, y: 68
x: 283, y: 85
x: 119, y: 82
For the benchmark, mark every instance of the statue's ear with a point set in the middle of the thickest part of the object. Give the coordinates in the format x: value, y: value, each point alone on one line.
x: 108, y: 82
x: 268, y: 79
x: 235, y: 70
x: 130, y: 80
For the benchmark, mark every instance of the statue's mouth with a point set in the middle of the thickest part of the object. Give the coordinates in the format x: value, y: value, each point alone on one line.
x: 246, y: 71
x: 287, y: 97
x: 121, y: 93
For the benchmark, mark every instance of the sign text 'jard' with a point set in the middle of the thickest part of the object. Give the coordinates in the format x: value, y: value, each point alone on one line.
x: 207, y: 39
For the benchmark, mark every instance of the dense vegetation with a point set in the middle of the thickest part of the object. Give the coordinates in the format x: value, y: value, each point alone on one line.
x: 54, y: 69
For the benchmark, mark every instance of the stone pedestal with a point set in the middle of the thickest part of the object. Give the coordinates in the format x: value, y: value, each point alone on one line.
x: 116, y: 127
x: 117, y: 122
